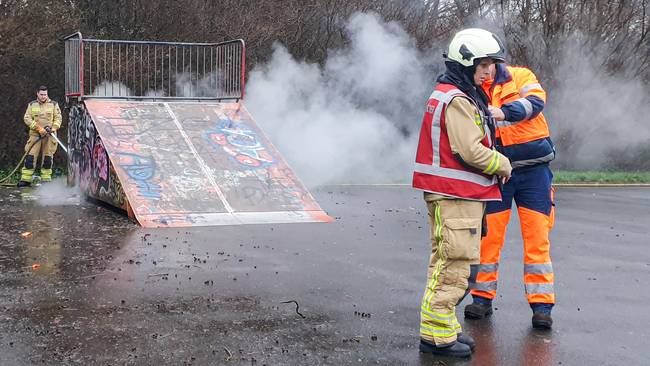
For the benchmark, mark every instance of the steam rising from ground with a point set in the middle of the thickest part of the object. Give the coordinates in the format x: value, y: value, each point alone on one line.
x: 184, y: 86
x: 57, y: 193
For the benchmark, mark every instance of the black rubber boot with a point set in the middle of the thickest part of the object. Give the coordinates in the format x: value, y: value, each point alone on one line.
x: 466, y: 339
x: 476, y: 310
x: 456, y: 349
x: 23, y: 184
x: 542, y: 321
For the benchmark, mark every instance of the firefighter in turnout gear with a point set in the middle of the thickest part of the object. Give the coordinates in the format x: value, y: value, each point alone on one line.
x: 516, y: 102
x: 458, y: 169
x: 43, y: 117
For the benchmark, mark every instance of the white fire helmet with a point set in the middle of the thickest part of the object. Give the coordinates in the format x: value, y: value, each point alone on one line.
x: 475, y: 43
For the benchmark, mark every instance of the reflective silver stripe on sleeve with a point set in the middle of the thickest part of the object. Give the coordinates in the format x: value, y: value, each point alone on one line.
x: 507, y: 123
x: 454, y: 174
x: 528, y: 162
x: 484, y: 286
x: 539, y: 288
x: 488, y: 268
x: 543, y: 268
x: 528, y: 88
x: 528, y: 106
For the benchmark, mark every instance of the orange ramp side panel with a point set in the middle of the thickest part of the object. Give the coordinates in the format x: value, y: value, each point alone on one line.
x: 185, y: 164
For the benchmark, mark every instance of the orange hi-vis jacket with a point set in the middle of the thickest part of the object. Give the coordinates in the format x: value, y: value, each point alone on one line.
x: 437, y: 170
x: 524, y: 134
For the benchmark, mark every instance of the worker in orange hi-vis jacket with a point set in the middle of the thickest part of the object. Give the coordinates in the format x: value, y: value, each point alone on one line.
x: 457, y: 167
x: 516, y: 102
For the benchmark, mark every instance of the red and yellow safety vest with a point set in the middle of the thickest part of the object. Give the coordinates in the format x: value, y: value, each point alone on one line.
x: 436, y: 168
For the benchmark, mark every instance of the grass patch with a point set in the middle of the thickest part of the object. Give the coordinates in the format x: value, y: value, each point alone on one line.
x: 604, y: 177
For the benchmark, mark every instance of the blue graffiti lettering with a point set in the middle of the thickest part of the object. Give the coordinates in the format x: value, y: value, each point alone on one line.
x: 141, y: 169
x: 240, y: 142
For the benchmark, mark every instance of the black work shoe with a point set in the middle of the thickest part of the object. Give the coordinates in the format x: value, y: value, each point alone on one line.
x: 542, y: 321
x: 23, y: 184
x: 466, y: 339
x: 476, y: 310
x: 456, y: 349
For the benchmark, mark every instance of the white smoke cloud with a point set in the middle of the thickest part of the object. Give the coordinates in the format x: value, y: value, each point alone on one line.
x: 355, y: 119
x: 111, y: 89
x: 185, y: 85
x: 594, y: 113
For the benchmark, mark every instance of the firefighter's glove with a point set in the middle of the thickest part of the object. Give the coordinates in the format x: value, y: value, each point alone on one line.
x: 49, y: 130
x: 41, y: 131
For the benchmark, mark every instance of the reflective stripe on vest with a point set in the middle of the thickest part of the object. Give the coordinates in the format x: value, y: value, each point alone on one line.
x: 435, y: 169
x: 453, y: 174
x: 443, y: 99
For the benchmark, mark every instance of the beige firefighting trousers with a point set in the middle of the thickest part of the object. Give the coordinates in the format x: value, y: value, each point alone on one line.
x: 456, y: 244
x: 45, y: 148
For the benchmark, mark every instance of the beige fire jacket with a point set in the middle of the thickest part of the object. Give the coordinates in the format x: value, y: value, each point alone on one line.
x: 465, y: 132
x: 42, y: 114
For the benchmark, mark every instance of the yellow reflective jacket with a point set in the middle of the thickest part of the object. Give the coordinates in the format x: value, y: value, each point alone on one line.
x: 42, y: 114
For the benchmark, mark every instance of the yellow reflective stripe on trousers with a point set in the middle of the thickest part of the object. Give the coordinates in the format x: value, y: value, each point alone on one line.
x: 448, y: 320
x: 430, y: 292
x: 439, y: 317
x: 26, y: 174
x: 437, y: 331
x: 457, y: 326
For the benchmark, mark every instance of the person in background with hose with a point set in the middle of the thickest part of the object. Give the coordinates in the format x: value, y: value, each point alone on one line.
x: 457, y: 167
x: 43, y: 117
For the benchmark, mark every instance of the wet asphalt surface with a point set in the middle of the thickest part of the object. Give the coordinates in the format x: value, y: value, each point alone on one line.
x: 87, y: 286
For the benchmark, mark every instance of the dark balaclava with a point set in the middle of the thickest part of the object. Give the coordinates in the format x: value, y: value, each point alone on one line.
x: 463, y: 78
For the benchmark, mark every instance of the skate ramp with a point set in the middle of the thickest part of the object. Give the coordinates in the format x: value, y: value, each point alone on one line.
x: 198, y: 164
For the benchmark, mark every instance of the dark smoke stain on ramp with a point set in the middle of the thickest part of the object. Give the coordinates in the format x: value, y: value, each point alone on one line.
x: 197, y: 164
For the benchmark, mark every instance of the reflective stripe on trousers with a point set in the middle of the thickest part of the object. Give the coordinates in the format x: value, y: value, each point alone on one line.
x: 534, y: 197
x: 455, y: 239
